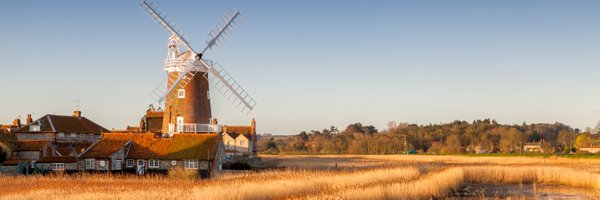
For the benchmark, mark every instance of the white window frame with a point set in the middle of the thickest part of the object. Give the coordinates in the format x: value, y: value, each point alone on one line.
x: 180, y: 121
x: 73, y: 135
x: 191, y: 164
x: 102, y: 163
x: 58, y: 166
x: 118, y: 164
x: 141, y: 161
x: 181, y: 93
x: 90, y: 164
x: 61, y: 135
x: 153, y: 163
x: 130, y: 162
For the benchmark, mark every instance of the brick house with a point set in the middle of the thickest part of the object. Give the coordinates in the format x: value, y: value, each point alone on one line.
x: 60, y: 128
x: 145, y: 153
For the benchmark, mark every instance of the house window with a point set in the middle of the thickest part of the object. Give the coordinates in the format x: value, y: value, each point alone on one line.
x: 228, y: 143
x: 153, y: 164
x: 140, y: 163
x: 89, y: 164
x: 118, y: 164
x: 241, y: 143
x: 61, y: 135
x: 34, y: 127
x: 129, y: 162
x: 102, y: 163
x: 181, y: 93
x: 191, y: 164
x: 58, y: 166
x: 73, y: 135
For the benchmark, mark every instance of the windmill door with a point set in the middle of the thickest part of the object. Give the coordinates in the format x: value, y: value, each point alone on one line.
x: 179, y: 124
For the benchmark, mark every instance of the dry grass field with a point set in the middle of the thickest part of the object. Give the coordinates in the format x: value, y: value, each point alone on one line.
x: 332, y: 177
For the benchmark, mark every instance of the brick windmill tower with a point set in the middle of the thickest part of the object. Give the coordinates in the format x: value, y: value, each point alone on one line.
x: 185, y: 91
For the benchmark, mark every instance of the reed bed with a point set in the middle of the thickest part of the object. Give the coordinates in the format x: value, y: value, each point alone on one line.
x: 354, y: 178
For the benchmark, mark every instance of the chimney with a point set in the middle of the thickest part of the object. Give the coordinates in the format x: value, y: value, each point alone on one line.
x: 17, y: 123
x: 28, y: 120
x: 253, y: 126
x: 77, y: 113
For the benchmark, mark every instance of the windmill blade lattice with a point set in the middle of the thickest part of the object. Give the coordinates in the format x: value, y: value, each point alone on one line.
x: 229, y: 87
x: 223, y: 30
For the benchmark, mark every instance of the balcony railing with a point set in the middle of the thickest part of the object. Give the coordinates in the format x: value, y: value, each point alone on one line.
x: 194, y: 128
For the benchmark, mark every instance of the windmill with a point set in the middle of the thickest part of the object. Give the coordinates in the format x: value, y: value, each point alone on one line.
x: 185, y: 90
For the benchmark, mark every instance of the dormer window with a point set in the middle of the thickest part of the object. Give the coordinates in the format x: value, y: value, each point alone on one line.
x: 35, y: 127
x: 181, y: 93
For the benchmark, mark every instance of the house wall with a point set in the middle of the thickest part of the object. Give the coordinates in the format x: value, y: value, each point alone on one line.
x: 590, y: 150
x: 34, y: 136
x: 234, y: 144
x: 9, y: 170
x: 32, y: 155
x: 68, y: 166
x: 81, y: 164
x: 78, y: 137
x: 119, y: 155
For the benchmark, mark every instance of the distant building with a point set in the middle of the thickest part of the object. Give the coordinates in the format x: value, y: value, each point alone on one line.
x: 59, y: 128
x: 534, y: 147
x: 240, y: 141
x: 591, y: 149
x: 145, y: 153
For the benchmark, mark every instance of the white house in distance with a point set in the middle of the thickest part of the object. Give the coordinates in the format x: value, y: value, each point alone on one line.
x: 239, y: 141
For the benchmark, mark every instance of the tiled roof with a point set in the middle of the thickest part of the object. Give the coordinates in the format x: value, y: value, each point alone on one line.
x: 154, y: 114
x: 238, y: 129
x: 66, y: 124
x: 63, y: 159
x: 180, y: 146
x: 67, y: 148
x: 30, y: 145
x: 105, y: 148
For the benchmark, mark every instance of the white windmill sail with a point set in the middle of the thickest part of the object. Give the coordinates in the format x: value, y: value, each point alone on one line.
x: 232, y: 90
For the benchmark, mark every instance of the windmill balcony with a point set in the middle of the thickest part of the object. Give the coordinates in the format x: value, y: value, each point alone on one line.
x: 194, y: 128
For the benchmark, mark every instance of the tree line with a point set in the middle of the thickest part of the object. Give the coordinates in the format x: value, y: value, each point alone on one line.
x: 479, y: 136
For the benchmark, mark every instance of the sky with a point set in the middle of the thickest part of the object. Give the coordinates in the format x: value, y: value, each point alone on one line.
x: 313, y: 64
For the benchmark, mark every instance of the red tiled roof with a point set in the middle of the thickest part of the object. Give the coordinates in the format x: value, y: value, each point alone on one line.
x: 66, y: 148
x: 105, y: 148
x: 64, y: 159
x: 154, y: 114
x: 30, y: 145
x: 66, y: 124
x: 180, y: 146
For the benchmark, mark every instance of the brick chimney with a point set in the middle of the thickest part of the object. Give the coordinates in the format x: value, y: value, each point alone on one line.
x: 28, y: 120
x: 17, y: 122
x: 77, y: 113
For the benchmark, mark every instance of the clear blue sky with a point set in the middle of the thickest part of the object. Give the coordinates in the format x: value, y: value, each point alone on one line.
x: 312, y: 64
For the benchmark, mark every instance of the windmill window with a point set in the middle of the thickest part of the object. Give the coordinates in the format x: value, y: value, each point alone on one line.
x: 181, y: 93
